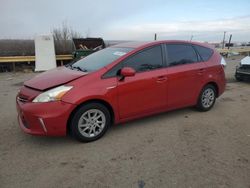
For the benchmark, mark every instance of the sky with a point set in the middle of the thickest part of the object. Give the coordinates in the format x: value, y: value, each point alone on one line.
x: 128, y: 19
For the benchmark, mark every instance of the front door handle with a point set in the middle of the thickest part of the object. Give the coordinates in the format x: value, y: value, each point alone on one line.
x: 201, y: 71
x: 161, y: 79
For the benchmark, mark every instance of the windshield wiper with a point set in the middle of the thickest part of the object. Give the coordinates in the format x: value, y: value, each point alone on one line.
x: 78, y: 68
x: 69, y: 66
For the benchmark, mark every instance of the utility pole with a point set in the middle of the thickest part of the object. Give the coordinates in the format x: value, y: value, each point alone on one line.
x: 223, y: 42
x: 229, y: 42
x: 155, y: 36
x: 191, y: 38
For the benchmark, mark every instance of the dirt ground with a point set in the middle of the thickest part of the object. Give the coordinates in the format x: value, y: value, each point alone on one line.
x: 183, y: 148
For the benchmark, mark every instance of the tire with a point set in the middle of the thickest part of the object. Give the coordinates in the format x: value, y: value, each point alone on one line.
x: 207, y: 98
x: 90, y: 122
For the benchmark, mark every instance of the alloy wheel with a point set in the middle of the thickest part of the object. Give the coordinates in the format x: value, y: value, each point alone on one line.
x: 91, y: 123
x: 208, y: 98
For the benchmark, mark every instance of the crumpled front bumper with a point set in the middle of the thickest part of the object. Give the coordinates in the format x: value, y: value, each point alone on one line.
x: 44, y: 118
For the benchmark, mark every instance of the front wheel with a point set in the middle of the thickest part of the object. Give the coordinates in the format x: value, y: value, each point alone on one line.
x: 207, y: 98
x: 90, y: 122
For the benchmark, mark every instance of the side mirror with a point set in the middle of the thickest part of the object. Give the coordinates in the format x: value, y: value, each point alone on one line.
x: 127, y: 72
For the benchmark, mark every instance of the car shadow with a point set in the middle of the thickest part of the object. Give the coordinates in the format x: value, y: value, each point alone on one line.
x: 184, y: 112
x: 48, y: 141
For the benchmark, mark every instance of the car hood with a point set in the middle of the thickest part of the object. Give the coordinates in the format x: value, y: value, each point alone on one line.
x: 54, y: 77
x: 245, y: 61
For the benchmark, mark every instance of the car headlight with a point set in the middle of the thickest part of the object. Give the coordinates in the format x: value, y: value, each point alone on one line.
x: 54, y: 94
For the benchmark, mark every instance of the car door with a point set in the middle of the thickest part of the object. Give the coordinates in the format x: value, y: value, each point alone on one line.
x: 185, y: 75
x: 145, y: 92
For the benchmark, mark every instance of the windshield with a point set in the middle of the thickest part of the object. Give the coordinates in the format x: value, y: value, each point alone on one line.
x: 100, y: 59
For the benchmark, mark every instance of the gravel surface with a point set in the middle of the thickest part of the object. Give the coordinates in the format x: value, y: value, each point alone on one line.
x: 182, y: 148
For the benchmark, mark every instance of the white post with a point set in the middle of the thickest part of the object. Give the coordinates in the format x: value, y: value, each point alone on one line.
x: 45, y: 53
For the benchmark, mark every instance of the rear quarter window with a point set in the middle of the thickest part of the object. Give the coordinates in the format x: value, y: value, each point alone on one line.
x: 204, y: 52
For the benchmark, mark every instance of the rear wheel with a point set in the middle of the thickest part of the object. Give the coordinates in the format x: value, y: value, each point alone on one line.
x: 90, y: 122
x: 207, y: 98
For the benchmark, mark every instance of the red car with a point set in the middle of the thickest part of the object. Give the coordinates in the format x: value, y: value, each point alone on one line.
x: 120, y: 83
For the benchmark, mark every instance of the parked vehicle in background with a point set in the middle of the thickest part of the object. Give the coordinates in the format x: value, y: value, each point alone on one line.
x: 118, y: 84
x: 243, y: 70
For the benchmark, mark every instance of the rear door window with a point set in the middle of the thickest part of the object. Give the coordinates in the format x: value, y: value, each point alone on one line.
x: 204, y: 52
x: 180, y: 54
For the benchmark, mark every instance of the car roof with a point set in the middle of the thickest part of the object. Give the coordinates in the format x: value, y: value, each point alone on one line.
x: 143, y: 44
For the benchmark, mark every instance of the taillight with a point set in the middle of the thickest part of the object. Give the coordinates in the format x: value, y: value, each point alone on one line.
x: 223, y: 62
